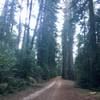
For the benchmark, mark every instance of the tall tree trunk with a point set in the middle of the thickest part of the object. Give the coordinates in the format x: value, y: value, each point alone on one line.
x: 25, y: 37
x: 92, y: 34
x: 92, y: 42
x: 67, y: 44
x: 19, y: 27
x: 39, y: 18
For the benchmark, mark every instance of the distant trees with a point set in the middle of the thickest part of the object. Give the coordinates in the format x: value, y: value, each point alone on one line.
x: 35, y: 59
x: 25, y: 65
x: 87, y: 66
x: 7, y: 22
x: 81, y: 13
x: 46, y: 40
x: 67, y: 42
x: 7, y: 45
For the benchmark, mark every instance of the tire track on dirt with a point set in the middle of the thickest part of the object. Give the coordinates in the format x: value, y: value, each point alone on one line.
x: 36, y: 94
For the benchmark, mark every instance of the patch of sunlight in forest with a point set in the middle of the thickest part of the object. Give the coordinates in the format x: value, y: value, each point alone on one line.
x: 1, y: 5
x: 33, y: 18
x: 60, y: 21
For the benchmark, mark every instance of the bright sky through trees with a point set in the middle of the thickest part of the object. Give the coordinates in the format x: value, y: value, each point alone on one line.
x: 60, y: 15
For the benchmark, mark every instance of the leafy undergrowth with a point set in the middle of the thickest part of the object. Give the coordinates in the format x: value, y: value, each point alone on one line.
x: 21, y: 92
x: 14, y: 85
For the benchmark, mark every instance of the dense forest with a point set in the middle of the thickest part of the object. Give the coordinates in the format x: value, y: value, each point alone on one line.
x: 30, y: 51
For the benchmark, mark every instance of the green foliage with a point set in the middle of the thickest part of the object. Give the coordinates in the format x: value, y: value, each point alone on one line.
x: 17, y: 73
x: 7, y: 61
x: 46, y: 40
x: 7, y: 65
x: 86, y: 76
x: 82, y: 69
x: 87, y: 64
x: 27, y: 67
x: 18, y: 67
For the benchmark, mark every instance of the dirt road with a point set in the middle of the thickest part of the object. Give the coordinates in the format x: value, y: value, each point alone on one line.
x: 61, y: 89
x: 55, y: 89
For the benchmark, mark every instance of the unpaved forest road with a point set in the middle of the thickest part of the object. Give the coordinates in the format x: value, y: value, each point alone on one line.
x: 61, y: 89
x: 55, y: 89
